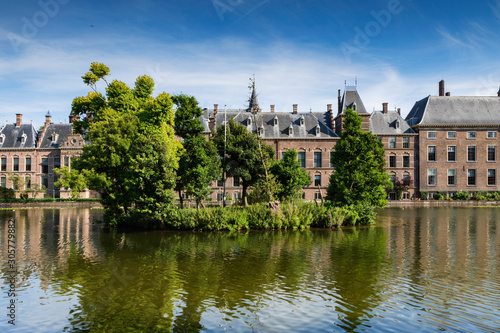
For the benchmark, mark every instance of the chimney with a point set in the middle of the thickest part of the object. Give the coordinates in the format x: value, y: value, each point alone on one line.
x: 441, y: 88
x: 399, y: 111
x: 19, y: 119
x: 448, y: 94
x: 385, y: 108
x: 216, y: 108
x: 272, y: 108
x: 295, y: 108
x: 328, y: 107
x: 47, y: 119
x: 339, y: 104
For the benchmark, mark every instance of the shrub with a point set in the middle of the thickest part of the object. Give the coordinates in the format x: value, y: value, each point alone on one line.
x: 424, y: 195
x: 7, y: 193
x: 438, y: 196
x: 494, y: 196
x: 480, y: 195
x: 462, y: 195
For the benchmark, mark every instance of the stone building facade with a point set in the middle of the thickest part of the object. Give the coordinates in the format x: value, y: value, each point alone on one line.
x: 32, y: 155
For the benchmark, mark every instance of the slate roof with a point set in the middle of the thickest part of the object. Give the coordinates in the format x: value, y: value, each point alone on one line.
x: 50, y: 141
x: 12, y: 136
x: 381, y: 123
x: 351, y: 98
x: 456, y: 110
x: 265, y: 120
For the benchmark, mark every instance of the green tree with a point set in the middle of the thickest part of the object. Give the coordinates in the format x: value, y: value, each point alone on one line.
x: 198, y: 168
x: 290, y: 176
x: 247, y: 156
x: 359, y: 177
x: 133, y: 156
x: 187, y: 116
x: 74, y: 180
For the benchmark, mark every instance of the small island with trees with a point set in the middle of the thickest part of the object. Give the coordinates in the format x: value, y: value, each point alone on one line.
x: 147, y: 150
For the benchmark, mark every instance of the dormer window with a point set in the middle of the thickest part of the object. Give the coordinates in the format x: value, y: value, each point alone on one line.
x: 317, y: 130
x: 290, y: 130
x: 275, y: 120
x: 354, y: 106
x: 55, y: 136
x: 261, y: 131
x: 249, y: 121
x: 397, y: 123
x: 301, y: 121
x: 23, y: 138
x: 2, y: 138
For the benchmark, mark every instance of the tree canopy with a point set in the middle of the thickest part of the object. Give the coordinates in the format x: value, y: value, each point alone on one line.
x: 133, y: 156
x: 290, y: 176
x: 247, y: 156
x: 359, y: 160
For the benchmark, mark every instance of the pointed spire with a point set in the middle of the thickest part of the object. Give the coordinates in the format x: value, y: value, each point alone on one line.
x: 253, y: 104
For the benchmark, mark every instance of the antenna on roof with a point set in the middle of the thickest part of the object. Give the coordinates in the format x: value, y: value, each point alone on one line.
x: 356, y: 81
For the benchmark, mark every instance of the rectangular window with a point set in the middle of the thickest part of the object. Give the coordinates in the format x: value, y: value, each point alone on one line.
x: 452, y: 155
x: 332, y: 165
x: 27, y: 181
x: 317, y: 180
x: 302, y: 159
x: 3, y: 182
x: 492, y: 135
x: 406, y: 142
x: 471, y: 177
x: 431, y: 135
x: 431, y: 153
x: 283, y: 154
x: 451, y: 135
x: 406, y: 161
x: 317, y: 159
x: 392, y: 161
x: 236, y: 181
x: 492, y: 153
x: 45, y: 182
x: 66, y: 161
x: 452, y: 177
x: 4, y: 163
x: 431, y: 177
x: 471, y: 153
x: 16, y: 164
x: 28, y: 163
x: 220, y: 183
x: 220, y: 197
x: 237, y: 196
x: 392, y: 142
x: 471, y: 135
x: 492, y: 177
x: 57, y: 162
x: 393, y: 178
x: 317, y: 195
x: 45, y: 165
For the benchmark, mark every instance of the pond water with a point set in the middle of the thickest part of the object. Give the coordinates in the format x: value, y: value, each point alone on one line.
x: 417, y: 269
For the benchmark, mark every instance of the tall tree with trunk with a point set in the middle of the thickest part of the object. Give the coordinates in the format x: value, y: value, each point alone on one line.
x: 290, y: 176
x: 247, y: 156
x: 359, y: 160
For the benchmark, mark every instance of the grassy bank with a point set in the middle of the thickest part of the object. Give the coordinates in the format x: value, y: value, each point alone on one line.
x: 300, y: 215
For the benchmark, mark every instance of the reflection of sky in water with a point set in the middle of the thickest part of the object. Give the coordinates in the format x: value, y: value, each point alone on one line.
x: 417, y: 270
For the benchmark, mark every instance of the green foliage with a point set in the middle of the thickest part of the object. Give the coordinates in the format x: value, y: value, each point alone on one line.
x: 424, y: 195
x: 290, y: 176
x: 187, y: 113
x: 7, y: 193
x: 247, y: 156
x: 263, y: 191
x: 133, y: 156
x: 75, y: 180
x: 438, y: 196
x: 199, y: 166
x: 480, y: 195
x: 462, y: 195
x: 359, y: 175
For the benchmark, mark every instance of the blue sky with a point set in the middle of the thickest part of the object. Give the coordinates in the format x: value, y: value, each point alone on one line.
x: 301, y: 52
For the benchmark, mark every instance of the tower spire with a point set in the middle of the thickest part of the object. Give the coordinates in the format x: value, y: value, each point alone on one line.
x: 253, y: 104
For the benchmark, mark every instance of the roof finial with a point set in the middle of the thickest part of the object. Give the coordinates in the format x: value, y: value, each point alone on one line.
x: 356, y: 81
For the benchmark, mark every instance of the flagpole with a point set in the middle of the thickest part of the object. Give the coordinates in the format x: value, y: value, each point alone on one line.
x: 224, y: 170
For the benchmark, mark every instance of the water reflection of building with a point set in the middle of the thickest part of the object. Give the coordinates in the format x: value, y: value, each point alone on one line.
x: 46, y: 237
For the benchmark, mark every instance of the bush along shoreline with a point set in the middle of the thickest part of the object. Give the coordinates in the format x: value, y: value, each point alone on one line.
x: 261, y: 216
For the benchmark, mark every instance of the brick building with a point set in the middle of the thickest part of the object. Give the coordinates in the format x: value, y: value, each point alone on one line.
x: 458, y: 140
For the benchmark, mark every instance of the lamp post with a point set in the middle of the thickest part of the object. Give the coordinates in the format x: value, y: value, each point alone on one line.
x: 224, y: 161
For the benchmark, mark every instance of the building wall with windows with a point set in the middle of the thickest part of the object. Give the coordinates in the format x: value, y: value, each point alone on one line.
x: 32, y: 155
